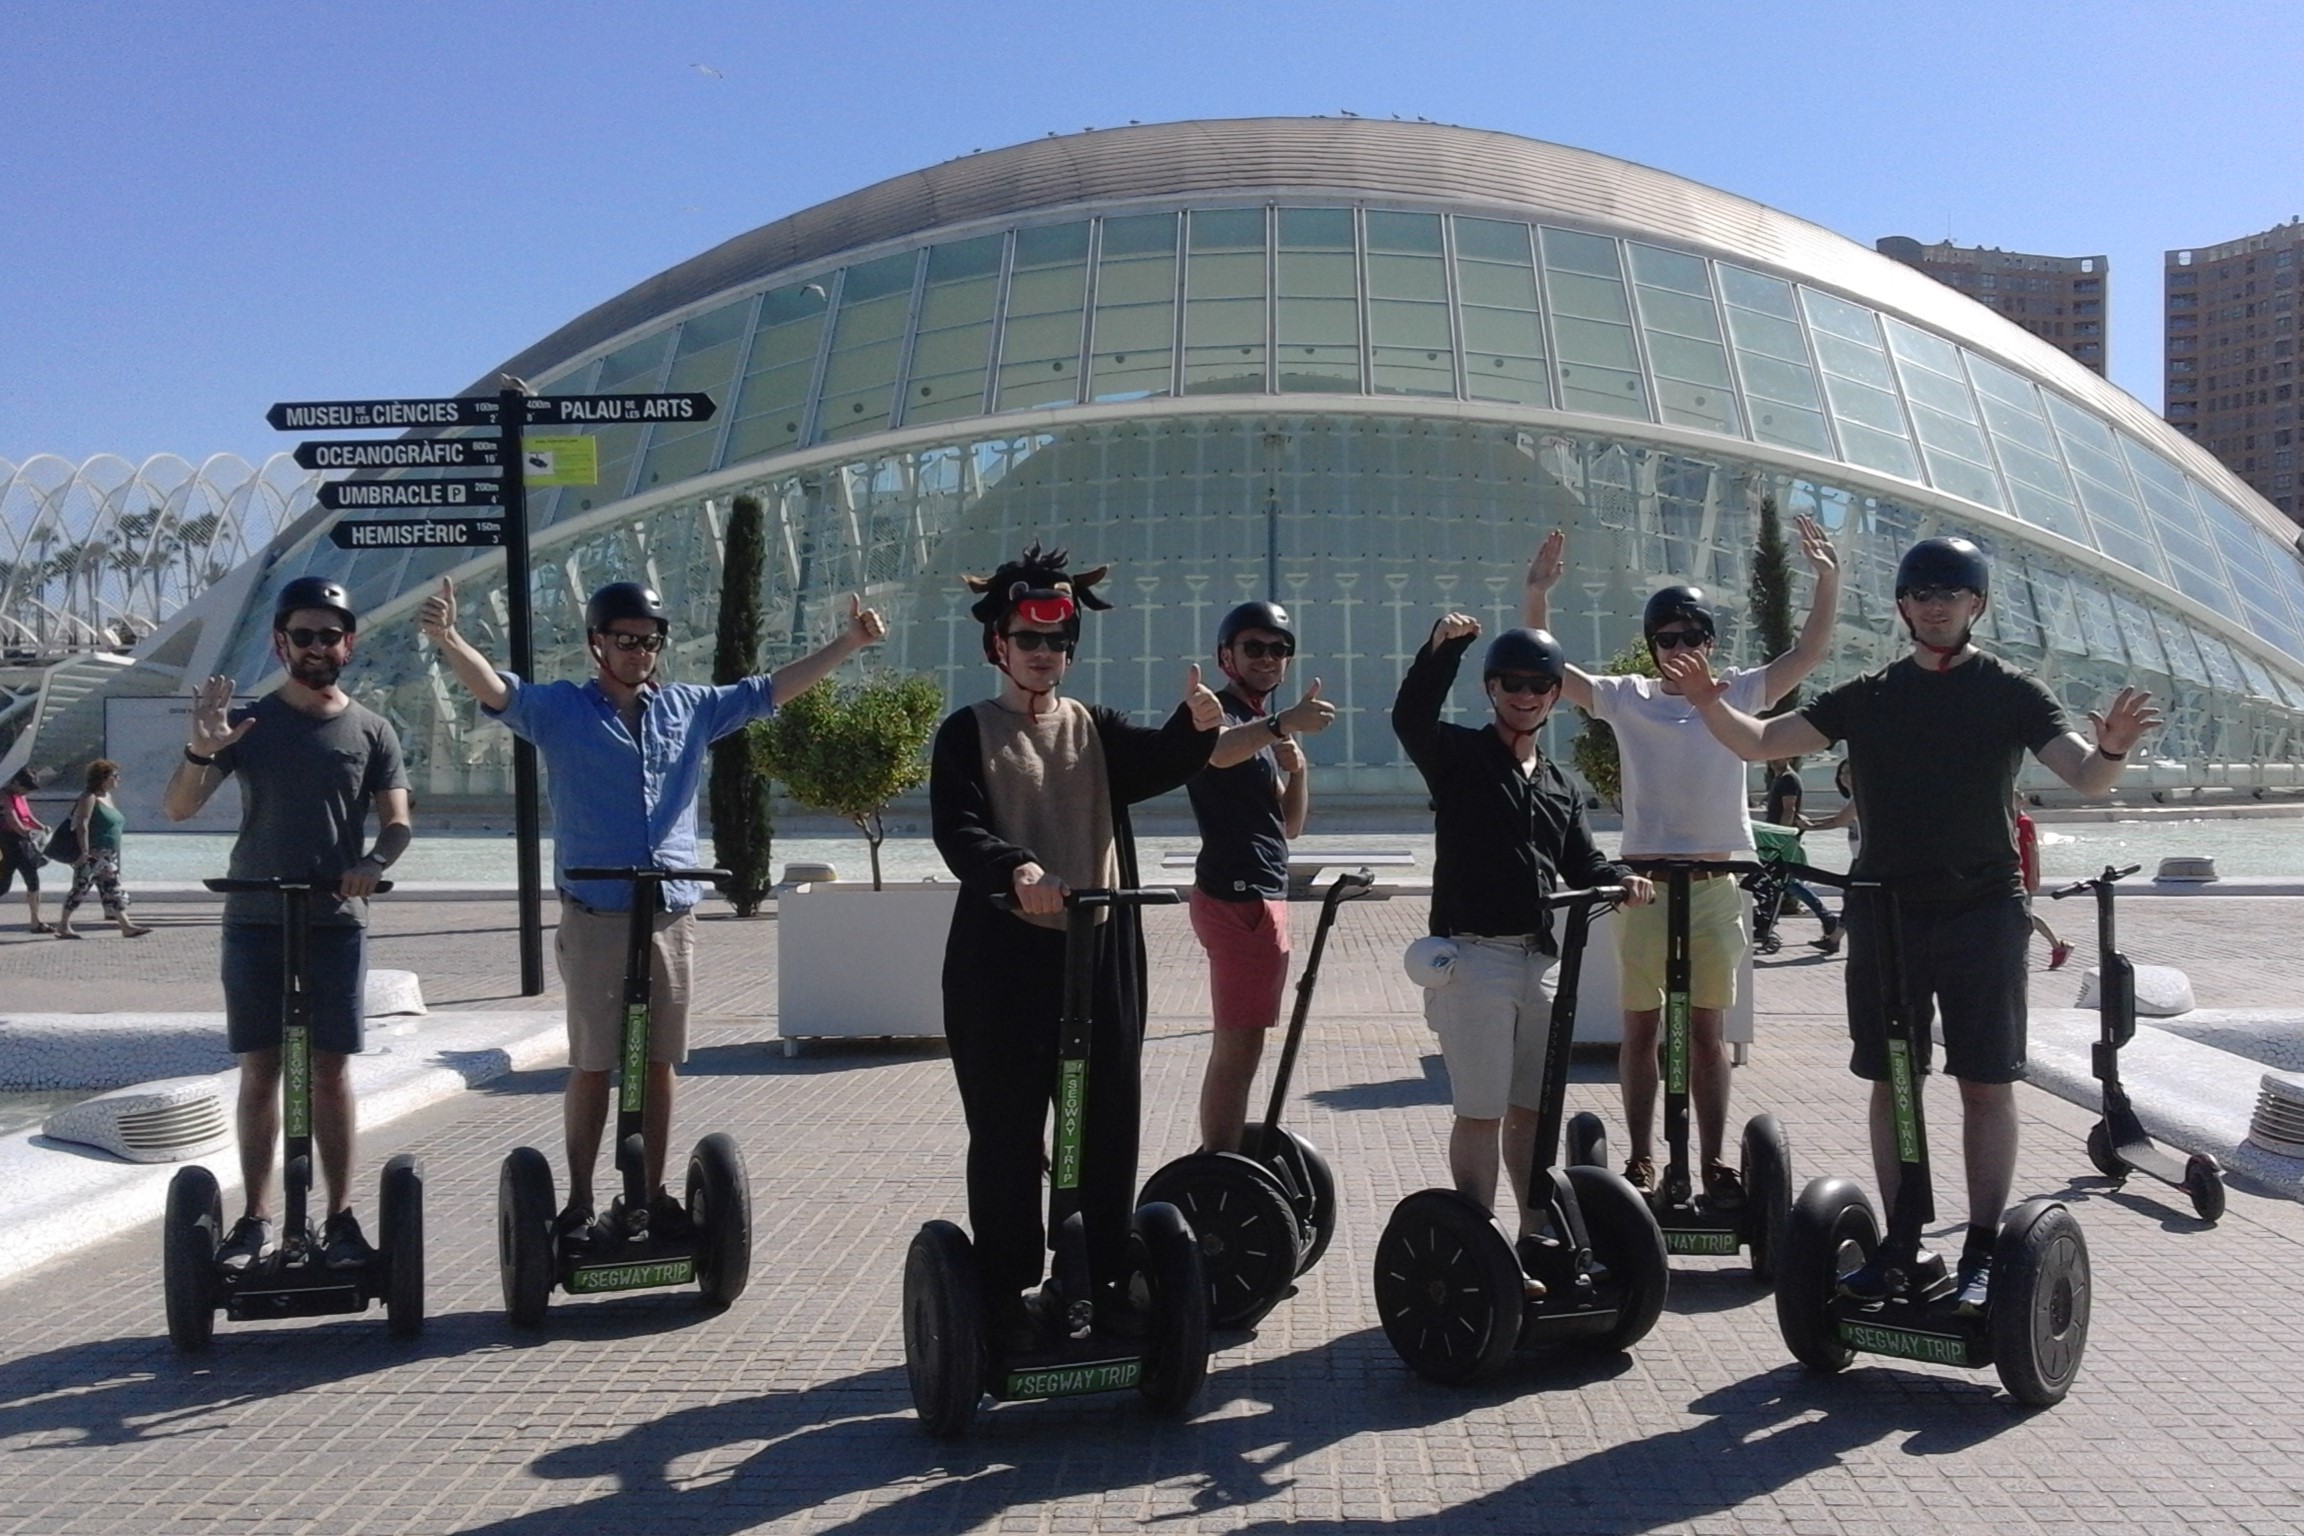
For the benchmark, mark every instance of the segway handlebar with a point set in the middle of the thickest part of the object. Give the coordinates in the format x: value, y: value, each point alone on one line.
x: 643, y: 874
x: 231, y: 887
x: 1609, y: 893
x: 2112, y: 874
x: 1160, y: 896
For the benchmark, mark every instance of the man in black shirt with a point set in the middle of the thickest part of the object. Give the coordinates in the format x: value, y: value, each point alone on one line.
x: 1508, y: 831
x: 1250, y: 801
x: 1935, y: 740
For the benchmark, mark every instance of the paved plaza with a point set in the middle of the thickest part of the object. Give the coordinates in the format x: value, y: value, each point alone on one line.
x: 646, y: 1414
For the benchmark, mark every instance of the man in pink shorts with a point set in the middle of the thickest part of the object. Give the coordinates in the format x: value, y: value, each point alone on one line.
x: 1249, y: 801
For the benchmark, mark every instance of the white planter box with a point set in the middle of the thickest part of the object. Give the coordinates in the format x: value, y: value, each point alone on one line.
x: 852, y: 962
x: 1600, y: 1010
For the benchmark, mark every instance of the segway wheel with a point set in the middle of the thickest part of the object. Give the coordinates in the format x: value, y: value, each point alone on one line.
x: 1833, y: 1230
x: 1448, y: 1288
x: 2108, y: 1162
x: 400, y: 1212
x: 943, y: 1330
x: 188, y: 1242
x: 1246, y: 1228
x: 1767, y: 1194
x: 1626, y: 1238
x: 527, y: 1262
x: 1161, y: 1249
x: 2204, y: 1182
x: 720, y: 1211
x: 1314, y: 1180
x: 1587, y: 1140
x: 2040, y: 1302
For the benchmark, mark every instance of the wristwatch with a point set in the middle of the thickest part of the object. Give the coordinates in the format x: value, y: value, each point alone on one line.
x: 197, y: 760
x: 1277, y: 729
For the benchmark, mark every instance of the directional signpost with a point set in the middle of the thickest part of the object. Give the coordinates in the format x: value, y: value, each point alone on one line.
x: 560, y: 460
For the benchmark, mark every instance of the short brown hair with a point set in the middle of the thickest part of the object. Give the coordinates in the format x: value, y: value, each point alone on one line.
x: 100, y: 770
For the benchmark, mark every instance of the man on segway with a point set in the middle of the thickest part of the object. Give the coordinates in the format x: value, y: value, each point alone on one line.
x: 1508, y: 831
x: 1250, y: 803
x: 1936, y: 739
x: 1029, y: 795
x: 310, y: 763
x: 1684, y: 800
x: 626, y: 755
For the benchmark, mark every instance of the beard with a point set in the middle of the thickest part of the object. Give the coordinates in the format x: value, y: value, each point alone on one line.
x: 315, y: 672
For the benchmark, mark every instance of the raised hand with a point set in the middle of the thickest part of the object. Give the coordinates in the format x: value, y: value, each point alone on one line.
x: 212, y: 729
x: 2124, y: 721
x: 437, y: 618
x: 1207, y: 711
x: 1309, y: 715
x: 1454, y: 626
x: 1550, y: 561
x: 1816, y: 545
x: 865, y: 626
x: 1697, y: 684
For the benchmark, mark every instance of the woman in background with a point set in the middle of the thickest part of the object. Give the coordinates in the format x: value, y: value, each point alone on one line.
x: 99, y: 823
x: 20, y: 843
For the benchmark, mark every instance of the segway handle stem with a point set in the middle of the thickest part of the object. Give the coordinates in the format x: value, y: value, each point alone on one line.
x: 649, y: 873
x: 1158, y: 897
x: 230, y: 887
x: 2110, y: 875
x: 1595, y: 893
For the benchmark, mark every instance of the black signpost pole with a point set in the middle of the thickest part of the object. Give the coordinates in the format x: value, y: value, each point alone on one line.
x: 527, y: 820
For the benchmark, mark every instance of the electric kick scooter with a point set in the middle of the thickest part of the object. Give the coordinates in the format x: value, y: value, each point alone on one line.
x: 290, y: 1281
x: 2034, y: 1328
x: 1265, y: 1214
x: 1457, y: 1298
x: 951, y: 1361
x: 2117, y: 1144
x: 1691, y: 1223
x: 621, y: 1252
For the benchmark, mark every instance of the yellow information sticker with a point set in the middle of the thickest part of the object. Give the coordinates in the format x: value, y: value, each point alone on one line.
x: 573, y: 460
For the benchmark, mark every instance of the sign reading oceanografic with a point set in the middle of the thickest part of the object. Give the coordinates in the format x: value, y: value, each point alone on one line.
x: 402, y: 453
x: 378, y: 415
x: 606, y: 410
x: 418, y: 533
x: 457, y: 491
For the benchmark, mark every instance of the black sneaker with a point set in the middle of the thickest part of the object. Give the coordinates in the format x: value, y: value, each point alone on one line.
x: 573, y: 1227
x: 1640, y: 1173
x: 1873, y: 1280
x: 250, y: 1240
x: 1723, y: 1187
x: 1972, y: 1289
x: 342, y: 1246
x: 668, y: 1219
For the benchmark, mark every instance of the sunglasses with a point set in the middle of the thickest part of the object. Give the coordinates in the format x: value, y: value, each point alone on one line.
x: 649, y: 643
x: 1034, y: 640
x: 1525, y: 682
x: 1258, y: 650
x: 1936, y: 594
x: 1673, y: 639
x: 304, y: 639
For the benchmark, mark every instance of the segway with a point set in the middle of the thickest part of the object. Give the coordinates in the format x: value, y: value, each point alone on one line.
x: 623, y: 1251
x: 949, y: 1357
x: 1264, y: 1214
x: 2118, y: 1144
x: 1691, y: 1222
x: 1457, y: 1298
x: 290, y: 1281
x: 2034, y: 1327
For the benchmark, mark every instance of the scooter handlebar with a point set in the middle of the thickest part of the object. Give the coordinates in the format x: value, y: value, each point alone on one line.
x: 642, y: 874
x: 237, y: 887
x: 2111, y: 874
x: 1158, y: 896
x: 1609, y: 893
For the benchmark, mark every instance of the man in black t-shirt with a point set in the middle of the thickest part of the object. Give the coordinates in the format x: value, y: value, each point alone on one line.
x: 1935, y: 740
x: 1250, y: 801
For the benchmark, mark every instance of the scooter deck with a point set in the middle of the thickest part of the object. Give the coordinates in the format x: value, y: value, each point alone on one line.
x: 1577, y: 1302
x: 1928, y: 1331
x: 2146, y: 1156
x: 300, y: 1288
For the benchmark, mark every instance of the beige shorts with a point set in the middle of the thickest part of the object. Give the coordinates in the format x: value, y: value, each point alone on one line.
x: 1719, y: 932
x: 590, y: 949
x: 1494, y: 1019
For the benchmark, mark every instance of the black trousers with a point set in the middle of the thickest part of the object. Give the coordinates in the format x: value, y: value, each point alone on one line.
x: 1002, y: 1003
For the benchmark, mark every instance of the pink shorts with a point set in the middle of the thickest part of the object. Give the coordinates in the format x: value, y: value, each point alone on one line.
x: 1247, y: 944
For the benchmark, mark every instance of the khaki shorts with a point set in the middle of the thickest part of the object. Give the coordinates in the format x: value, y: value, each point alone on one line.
x: 1719, y: 932
x: 590, y: 949
x: 1494, y: 1019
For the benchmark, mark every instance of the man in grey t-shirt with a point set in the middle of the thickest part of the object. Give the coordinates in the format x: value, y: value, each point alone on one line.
x: 311, y: 762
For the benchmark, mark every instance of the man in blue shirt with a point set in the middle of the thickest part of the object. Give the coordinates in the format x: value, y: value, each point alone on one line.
x: 626, y: 755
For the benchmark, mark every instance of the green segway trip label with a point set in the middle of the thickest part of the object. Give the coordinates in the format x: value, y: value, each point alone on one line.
x: 635, y: 1056
x: 296, y: 1066
x: 1725, y: 1243
x: 1676, y: 1044
x: 631, y: 1277
x: 1904, y: 1343
x: 1903, y: 1092
x: 1071, y: 1108
x: 1075, y: 1380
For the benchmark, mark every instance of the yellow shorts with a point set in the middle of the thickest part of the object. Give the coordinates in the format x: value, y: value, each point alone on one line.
x: 1719, y: 932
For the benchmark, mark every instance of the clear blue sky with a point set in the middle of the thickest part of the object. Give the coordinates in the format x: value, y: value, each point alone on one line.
x: 211, y: 207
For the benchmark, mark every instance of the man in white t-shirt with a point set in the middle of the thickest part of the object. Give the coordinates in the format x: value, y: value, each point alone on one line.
x: 1684, y: 799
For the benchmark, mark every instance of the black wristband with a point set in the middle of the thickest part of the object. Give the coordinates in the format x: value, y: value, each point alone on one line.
x: 2118, y: 757
x: 1272, y: 722
x: 197, y: 760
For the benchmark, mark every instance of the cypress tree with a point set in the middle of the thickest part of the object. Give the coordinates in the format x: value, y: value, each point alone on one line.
x: 1770, y: 594
x: 743, y: 823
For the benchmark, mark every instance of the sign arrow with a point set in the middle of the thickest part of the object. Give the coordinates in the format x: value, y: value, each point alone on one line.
x: 376, y: 415
x: 455, y: 491
x: 606, y: 410
x: 417, y: 533
x: 402, y: 453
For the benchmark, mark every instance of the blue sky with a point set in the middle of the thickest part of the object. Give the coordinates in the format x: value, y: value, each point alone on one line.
x: 206, y: 208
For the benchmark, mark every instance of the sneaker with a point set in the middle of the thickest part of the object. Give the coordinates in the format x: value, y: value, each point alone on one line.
x: 1640, y: 1173
x: 1830, y: 942
x: 1873, y: 1280
x: 342, y: 1246
x: 1723, y: 1187
x: 250, y: 1240
x: 1972, y: 1290
x: 2058, y: 953
x: 668, y: 1219
x: 618, y: 1225
x: 573, y: 1227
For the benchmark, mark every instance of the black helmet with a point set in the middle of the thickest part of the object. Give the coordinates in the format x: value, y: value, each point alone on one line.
x: 624, y: 600
x: 1672, y: 603
x: 1944, y: 562
x: 1249, y: 616
x: 1525, y: 650
x: 313, y: 592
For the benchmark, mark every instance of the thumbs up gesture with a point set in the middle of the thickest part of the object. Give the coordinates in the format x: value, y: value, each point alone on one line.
x: 1310, y: 714
x: 437, y: 618
x: 1207, y: 713
x: 865, y: 626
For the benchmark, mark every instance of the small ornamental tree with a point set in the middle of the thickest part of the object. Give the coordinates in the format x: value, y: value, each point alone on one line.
x: 743, y: 821
x: 1770, y: 595
x: 851, y: 749
x: 1594, y: 753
